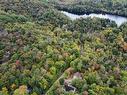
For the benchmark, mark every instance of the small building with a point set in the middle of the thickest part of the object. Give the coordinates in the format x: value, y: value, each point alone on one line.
x: 68, y: 82
x: 69, y: 88
x: 77, y: 75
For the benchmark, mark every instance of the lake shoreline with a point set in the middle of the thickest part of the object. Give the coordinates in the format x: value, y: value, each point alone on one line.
x: 119, y: 20
x: 89, y: 12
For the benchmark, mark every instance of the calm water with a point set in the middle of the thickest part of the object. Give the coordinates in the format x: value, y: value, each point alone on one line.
x: 118, y: 19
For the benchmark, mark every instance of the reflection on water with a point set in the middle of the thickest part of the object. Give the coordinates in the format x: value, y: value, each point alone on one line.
x: 118, y: 19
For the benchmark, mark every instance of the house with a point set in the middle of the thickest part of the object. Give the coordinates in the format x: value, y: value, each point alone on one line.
x: 77, y: 75
x: 67, y: 82
x: 69, y: 88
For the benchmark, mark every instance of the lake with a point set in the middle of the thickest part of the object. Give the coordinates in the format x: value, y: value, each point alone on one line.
x: 118, y: 19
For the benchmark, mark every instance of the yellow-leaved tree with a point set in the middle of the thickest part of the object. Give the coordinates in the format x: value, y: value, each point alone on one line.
x: 22, y: 90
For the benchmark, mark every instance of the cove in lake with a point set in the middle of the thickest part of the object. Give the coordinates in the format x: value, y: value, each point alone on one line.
x: 118, y: 19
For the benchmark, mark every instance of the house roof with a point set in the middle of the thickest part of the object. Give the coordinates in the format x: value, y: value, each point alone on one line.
x: 69, y: 88
x: 77, y: 75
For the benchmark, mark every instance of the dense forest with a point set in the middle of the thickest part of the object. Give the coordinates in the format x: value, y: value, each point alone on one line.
x: 43, y: 52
